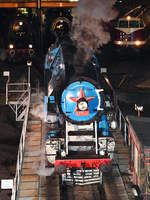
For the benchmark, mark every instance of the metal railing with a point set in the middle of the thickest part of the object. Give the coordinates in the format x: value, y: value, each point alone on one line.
x: 17, y: 98
x: 122, y: 124
x: 121, y: 120
x: 20, y: 151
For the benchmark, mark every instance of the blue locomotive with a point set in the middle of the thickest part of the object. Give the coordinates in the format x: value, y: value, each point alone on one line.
x: 79, y: 117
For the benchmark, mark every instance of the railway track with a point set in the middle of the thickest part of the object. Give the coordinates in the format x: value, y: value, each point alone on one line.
x: 112, y: 188
x: 86, y: 192
x: 116, y: 184
x: 58, y: 191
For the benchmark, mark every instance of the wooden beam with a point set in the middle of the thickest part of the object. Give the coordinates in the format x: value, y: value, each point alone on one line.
x: 57, y: 4
x: 44, y: 4
x: 18, y: 5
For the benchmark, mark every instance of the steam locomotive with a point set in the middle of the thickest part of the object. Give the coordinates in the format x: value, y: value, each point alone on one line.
x: 20, y: 39
x: 57, y: 23
x: 79, y: 115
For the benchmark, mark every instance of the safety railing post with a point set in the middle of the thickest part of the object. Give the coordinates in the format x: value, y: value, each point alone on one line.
x: 66, y: 137
x: 125, y: 132
x: 120, y: 120
x: 96, y: 144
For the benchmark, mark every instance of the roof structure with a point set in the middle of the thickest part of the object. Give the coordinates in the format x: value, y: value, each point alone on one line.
x: 141, y: 126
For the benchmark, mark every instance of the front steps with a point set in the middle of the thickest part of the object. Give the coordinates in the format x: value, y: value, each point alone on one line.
x: 29, y: 187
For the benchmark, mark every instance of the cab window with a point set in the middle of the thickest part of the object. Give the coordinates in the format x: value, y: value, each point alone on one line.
x: 133, y: 24
x: 123, y: 24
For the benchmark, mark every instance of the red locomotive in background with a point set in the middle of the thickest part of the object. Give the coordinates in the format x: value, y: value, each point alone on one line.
x: 130, y: 32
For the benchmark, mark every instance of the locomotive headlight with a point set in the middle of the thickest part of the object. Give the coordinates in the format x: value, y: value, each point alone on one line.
x: 119, y: 42
x: 82, y: 105
x: 30, y: 46
x: 102, y: 152
x: 137, y: 43
x: 11, y: 46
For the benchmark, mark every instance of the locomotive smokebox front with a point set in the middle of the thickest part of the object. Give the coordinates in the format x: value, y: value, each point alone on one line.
x: 81, y: 102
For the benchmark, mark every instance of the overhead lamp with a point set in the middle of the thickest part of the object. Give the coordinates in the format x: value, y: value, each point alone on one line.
x: 29, y: 63
x: 20, y: 23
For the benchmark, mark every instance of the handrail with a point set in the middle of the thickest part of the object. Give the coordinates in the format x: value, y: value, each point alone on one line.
x: 20, y: 153
x: 16, y: 98
x: 21, y: 104
x: 122, y: 124
x: 15, y: 88
x: 121, y: 120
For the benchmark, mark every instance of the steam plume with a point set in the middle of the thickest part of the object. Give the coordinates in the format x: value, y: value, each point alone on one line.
x: 89, y: 25
x: 38, y: 109
x: 42, y: 170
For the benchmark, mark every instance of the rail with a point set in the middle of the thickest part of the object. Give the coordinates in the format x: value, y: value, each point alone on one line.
x: 20, y: 152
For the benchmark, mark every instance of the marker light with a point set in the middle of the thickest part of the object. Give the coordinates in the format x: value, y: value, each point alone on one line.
x: 30, y: 46
x: 11, y: 46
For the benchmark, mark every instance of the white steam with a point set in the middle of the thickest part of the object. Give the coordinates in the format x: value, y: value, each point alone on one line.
x: 3, y: 55
x: 38, y: 112
x: 89, y: 25
x: 41, y: 169
x: 38, y: 109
